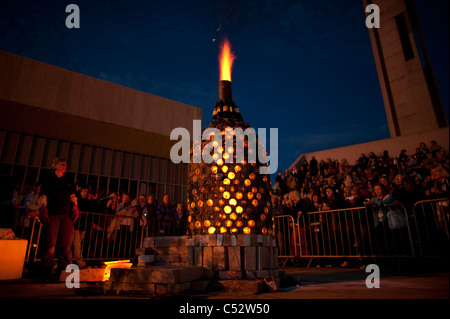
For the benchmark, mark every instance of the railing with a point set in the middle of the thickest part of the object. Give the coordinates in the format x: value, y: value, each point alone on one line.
x: 103, y: 237
x: 99, y: 236
x: 431, y: 227
x: 354, y: 233
x: 367, y: 232
x: 30, y: 229
x: 285, y: 237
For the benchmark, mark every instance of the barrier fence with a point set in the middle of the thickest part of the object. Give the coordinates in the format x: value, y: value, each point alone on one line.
x: 100, y: 236
x: 431, y: 227
x: 387, y: 231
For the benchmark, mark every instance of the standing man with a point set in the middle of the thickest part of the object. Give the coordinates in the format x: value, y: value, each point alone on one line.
x: 60, y: 215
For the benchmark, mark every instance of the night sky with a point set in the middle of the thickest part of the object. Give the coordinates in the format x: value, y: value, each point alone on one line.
x: 304, y: 67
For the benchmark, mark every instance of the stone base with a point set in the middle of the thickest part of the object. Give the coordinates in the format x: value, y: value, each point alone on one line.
x: 215, y: 253
x: 154, y: 280
x: 86, y: 275
x: 175, y: 264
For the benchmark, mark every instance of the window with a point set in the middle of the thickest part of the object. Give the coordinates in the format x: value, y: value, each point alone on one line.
x: 27, y: 158
x: 404, y: 36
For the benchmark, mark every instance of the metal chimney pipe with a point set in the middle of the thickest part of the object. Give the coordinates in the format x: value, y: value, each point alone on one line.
x: 225, y: 92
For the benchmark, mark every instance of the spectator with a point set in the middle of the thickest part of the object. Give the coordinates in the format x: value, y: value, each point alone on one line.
x: 276, y: 205
x: 33, y: 203
x: 333, y: 200
x: 380, y: 200
x: 434, y: 149
x: 111, y: 206
x: 86, y: 203
x: 151, y: 207
x: 441, y: 155
x: 276, y: 189
x: 336, y: 220
x: 167, y: 215
x: 429, y: 195
x: 440, y: 182
x: 316, y: 203
x: 424, y: 149
x: 363, y: 160
x: 142, y: 210
x: 368, y: 174
x: 355, y: 199
x: 152, y: 224
x: 296, y: 210
x: 83, y: 224
x: 386, y: 160
x: 356, y: 178
x: 298, y: 206
x: 181, y: 219
x: 406, y: 194
x: 398, y: 183
x: 122, y: 225
x: 279, y: 178
x: 313, y: 166
x: 419, y: 155
x: 61, y: 213
x: 389, y: 187
x: 128, y: 210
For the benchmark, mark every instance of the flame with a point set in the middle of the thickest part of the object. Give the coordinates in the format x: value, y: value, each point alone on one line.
x: 115, y: 264
x: 226, y: 61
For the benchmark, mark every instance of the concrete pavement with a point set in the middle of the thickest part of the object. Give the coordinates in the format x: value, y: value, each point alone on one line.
x: 316, y: 291
x: 301, y: 283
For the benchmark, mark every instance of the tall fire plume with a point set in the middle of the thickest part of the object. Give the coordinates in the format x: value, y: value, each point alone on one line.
x: 226, y: 59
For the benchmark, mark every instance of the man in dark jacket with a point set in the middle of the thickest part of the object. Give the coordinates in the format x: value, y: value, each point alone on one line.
x: 61, y: 213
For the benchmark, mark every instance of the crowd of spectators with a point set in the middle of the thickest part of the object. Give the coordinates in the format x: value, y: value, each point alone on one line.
x: 333, y: 184
x: 143, y: 208
x: 371, y: 181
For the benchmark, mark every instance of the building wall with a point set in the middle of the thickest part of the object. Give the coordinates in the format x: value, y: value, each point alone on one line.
x: 29, y: 82
x: 114, y: 138
x: 408, y: 86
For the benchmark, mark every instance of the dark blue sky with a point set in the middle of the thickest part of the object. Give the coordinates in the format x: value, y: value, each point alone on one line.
x: 304, y: 67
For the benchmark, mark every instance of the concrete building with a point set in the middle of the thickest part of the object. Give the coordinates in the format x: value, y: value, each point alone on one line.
x: 114, y: 138
x: 410, y: 92
x: 411, y: 97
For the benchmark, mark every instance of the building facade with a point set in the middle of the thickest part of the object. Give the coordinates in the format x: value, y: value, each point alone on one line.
x: 408, y: 86
x: 115, y: 139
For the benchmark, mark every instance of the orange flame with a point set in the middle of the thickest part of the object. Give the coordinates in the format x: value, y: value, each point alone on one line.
x: 226, y: 60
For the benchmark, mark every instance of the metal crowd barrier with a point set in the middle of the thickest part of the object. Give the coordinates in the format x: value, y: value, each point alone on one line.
x: 431, y: 227
x: 285, y: 237
x: 352, y: 232
x: 30, y: 229
x: 99, y: 236
x: 361, y: 232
